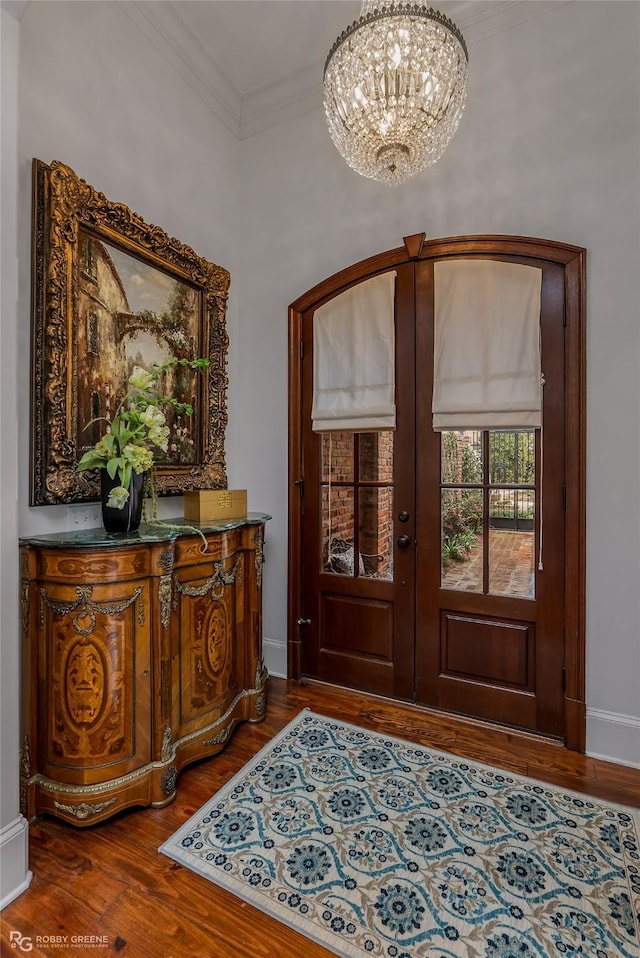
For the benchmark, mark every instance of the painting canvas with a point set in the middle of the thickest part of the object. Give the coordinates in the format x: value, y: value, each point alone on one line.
x: 112, y: 292
x: 130, y: 313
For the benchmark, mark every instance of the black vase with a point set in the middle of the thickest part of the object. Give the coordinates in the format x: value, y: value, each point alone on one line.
x: 128, y: 518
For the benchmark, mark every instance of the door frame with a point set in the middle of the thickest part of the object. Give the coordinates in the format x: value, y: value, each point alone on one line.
x: 416, y: 247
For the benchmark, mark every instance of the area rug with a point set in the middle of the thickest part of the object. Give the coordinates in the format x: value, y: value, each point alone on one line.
x: 374, y: 846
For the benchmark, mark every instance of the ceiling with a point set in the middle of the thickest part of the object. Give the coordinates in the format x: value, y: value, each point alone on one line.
x: 258, y: 62
x: 259, y: 42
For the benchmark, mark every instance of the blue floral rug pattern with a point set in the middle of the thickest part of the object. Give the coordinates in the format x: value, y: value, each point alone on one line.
x: 374, y: 846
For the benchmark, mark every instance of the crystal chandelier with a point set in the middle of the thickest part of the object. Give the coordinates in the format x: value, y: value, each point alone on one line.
x: 394, y: 88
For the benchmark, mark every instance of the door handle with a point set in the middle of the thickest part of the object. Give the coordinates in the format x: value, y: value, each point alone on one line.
x: 304, y: 622
x: 403, y: 542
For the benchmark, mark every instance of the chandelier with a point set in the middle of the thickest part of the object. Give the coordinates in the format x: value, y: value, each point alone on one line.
x: 394, y: 88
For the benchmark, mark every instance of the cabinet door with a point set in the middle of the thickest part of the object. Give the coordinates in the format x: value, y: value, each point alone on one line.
x: 94, y: 677
x: 207, y: 661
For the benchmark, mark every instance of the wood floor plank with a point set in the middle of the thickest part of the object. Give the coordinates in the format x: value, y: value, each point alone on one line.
x: 111, y: 880
x: 55, y: 914
x: 54, y: 860
x: 215, y: 923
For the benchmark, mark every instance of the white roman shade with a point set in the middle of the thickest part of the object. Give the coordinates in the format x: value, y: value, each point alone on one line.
x: 487, y: 372
x: 354, y: 359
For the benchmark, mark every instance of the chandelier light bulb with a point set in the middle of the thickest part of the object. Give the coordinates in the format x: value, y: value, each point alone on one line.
x: 395, y: 86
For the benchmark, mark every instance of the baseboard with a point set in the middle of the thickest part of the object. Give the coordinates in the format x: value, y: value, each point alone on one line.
x: 274, y: 653
x: 15, y: 876
x: 613, y: 737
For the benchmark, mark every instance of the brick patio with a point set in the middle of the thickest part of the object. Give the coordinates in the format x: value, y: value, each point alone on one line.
x: 511, y: 566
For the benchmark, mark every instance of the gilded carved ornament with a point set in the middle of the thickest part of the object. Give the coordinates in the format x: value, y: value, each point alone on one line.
x: 164, y: 595
x: 214, y: 585
x: 64, y: 205
x: 84, y: 809
x: 85, y: 620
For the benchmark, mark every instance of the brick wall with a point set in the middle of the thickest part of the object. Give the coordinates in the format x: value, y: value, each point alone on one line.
x: 376, y: 504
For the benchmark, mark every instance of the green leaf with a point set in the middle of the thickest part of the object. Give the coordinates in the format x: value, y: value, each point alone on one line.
x: 97, y: 419
x: 113, y: 465
x: 91, y: 460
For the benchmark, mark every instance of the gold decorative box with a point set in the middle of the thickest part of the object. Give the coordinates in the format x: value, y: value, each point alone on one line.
x: 213, y: 505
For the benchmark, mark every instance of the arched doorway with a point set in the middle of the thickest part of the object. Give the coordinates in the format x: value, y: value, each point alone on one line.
x: 446, y: 568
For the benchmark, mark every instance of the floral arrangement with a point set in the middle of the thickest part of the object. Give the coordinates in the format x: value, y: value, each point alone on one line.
x: 137, y: 429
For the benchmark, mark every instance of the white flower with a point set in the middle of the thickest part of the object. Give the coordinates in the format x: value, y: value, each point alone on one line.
x: 117, y: 497
x: 159, y: 436
x: 140, y: 378
x: 152, y: 417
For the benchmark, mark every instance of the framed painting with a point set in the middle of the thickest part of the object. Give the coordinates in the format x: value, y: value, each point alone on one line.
x: 110, y: 292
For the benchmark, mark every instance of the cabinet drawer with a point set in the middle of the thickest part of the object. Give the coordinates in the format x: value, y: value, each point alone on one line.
x: 189, y: 550
x: 93, y: 566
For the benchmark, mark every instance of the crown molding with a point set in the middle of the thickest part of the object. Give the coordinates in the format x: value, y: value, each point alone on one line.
x: 163, y: 26
x: 501, y: 16
x: 300, y: 92
x: 15, y: 8
x: 297, y: 93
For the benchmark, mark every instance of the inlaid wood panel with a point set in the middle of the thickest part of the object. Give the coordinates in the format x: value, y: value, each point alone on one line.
x: 139, y: 657
x: 205, y: 667
x: 95, y: 679
x: 129, y: 564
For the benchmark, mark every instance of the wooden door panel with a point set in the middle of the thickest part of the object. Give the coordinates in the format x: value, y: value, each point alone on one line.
x: 356, y: 626
x: 356, y: 671
x: 491, y: 702
x: 488, y: 650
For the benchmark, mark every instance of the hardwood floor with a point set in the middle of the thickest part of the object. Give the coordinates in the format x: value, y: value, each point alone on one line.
x: 110, y: 881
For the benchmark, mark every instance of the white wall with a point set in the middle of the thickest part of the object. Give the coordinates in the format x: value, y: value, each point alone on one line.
x: 14, y: 874
x: 96, y: 94
x: 549, y: 146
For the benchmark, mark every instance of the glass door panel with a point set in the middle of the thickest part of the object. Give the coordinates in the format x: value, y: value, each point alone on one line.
x: 337, y: 456
x: 376, y: 531
x: 488, y: 525
x: 462, y: 539
x: 357, y: 481
x: 337, y: 529
x: 462, y: 509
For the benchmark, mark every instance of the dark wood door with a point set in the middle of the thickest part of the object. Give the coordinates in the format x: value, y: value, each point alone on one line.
x: 446, y: 568
x: 357, y: 621
x: 490, y: 544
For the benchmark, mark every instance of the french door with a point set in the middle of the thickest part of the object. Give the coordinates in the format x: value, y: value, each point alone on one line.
x: 438, y: 567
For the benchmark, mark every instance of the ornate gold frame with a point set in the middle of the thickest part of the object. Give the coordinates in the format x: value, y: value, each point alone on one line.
x: 62, y: 203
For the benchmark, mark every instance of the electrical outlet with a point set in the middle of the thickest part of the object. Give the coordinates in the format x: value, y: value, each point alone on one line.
x: 85, y: 516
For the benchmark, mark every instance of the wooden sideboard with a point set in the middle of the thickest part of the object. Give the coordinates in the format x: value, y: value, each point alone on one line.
x: 141, y: 653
